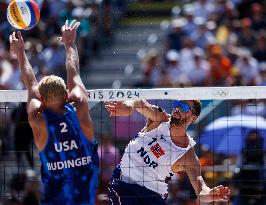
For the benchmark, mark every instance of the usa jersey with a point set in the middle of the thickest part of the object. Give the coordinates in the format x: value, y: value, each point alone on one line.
x: 148, y: 159
x: 69, y: 160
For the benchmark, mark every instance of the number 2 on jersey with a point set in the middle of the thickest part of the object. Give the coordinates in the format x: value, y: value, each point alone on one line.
x: 64, y: 127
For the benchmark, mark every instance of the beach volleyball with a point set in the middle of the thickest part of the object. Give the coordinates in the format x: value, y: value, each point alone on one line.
x: 23, y: 14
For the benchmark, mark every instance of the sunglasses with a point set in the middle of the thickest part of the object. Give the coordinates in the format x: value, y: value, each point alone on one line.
x: 184, y: 107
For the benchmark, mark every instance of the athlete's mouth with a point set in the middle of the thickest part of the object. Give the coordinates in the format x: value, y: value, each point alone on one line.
x: 176, y: 120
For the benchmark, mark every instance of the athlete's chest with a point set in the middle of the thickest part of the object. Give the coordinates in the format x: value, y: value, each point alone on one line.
x: 151, y: 149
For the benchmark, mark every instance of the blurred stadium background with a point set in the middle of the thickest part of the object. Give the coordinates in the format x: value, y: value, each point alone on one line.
x: 143, y: 44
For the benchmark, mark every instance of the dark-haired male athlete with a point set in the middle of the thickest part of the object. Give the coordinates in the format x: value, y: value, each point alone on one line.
x: 161, y: 149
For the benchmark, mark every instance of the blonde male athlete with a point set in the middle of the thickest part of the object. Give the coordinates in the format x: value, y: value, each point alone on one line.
x: 62, y: 127
x: 161, y: 149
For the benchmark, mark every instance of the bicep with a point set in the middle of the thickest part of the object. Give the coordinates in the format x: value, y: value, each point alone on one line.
x: 34, y: 101
x: 39, y: 130
x: 79, y: 96
x: 151, y: 112
x: 33, y: 95
x: 33, y: 109
x: 72, y: 64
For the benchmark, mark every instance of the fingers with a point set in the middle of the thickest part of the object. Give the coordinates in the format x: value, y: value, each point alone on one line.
x: 10, y: 39
x: 226, y: 192
x: 66, y: 24
x: 111, y: 111
x: 72, y: 23
x: 13, y: 37
x: 221, y: 193
x: 111, y: 108
x: 19, y: 36
x: 220, y: 198
x: 109, y: 103
x: 77, y: 24
x: 217, y: 190
x: 63, y: 28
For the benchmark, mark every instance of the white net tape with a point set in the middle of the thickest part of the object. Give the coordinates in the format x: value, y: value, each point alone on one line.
x: 193, y: 93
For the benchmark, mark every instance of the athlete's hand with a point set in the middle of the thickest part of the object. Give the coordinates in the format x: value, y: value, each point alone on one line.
x: 69, y: 33
x: 118, y: 109
x: 16, y: 44
x: 218, y: 193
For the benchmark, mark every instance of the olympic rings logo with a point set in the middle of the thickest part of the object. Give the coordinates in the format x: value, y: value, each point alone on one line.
x: 220, y: 92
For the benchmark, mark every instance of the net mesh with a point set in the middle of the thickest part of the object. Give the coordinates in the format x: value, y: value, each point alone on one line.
x: 230, y: 135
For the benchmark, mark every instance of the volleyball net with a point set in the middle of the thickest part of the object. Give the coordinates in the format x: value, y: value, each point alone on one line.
x: 230, y: 134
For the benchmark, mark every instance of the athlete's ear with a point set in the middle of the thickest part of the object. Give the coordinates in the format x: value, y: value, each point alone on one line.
x: 42, y: 102
x: 66, y: 96
x: 194, y: 117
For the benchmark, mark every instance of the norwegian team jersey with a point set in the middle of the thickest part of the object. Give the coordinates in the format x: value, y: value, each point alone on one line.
x: 69, y: 160
x: 148, y: 159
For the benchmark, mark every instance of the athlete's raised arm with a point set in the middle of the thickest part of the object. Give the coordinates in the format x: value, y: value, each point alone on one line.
x: 76, y: 88
x: 28, y: 77
x: 126, y: 108
x: 34, y: 99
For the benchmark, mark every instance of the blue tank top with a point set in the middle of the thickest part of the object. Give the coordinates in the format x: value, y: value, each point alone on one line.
x: 69, y: 160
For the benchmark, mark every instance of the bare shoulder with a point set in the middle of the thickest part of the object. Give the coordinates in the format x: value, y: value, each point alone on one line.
x: 37, y: 123
x: 34, y: 110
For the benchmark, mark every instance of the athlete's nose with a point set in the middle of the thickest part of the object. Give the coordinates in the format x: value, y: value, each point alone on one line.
x: 177, y: 109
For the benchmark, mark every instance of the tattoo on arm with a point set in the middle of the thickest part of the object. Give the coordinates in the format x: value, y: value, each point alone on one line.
x: 27, y: 71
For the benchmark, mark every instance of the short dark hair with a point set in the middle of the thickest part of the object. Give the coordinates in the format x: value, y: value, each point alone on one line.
x: 197, y: 107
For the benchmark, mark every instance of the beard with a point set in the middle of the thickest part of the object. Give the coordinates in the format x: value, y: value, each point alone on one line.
x: 177, y: 121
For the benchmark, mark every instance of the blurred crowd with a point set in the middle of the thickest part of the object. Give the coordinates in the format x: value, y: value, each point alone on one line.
x: 47, y: 56
x: 211, y: 43
x: 216, y: 43
x: 207, y: 43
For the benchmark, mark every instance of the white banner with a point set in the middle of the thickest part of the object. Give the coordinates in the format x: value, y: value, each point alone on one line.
x: 193, y: 93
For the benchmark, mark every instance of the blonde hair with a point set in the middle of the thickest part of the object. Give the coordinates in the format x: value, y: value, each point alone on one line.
x: 52, y: 89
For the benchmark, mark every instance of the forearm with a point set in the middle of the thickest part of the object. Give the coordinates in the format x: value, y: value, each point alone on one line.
x: 71, y: 59
x: 193, y: 169
x: 27, y: 73
x: 77, y: 60
x: 72, y: 66
x: 149, y: 111
x: 136, y: 105
x: 132, y: 104
x: 201, y: 189
x: 204, y: 193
